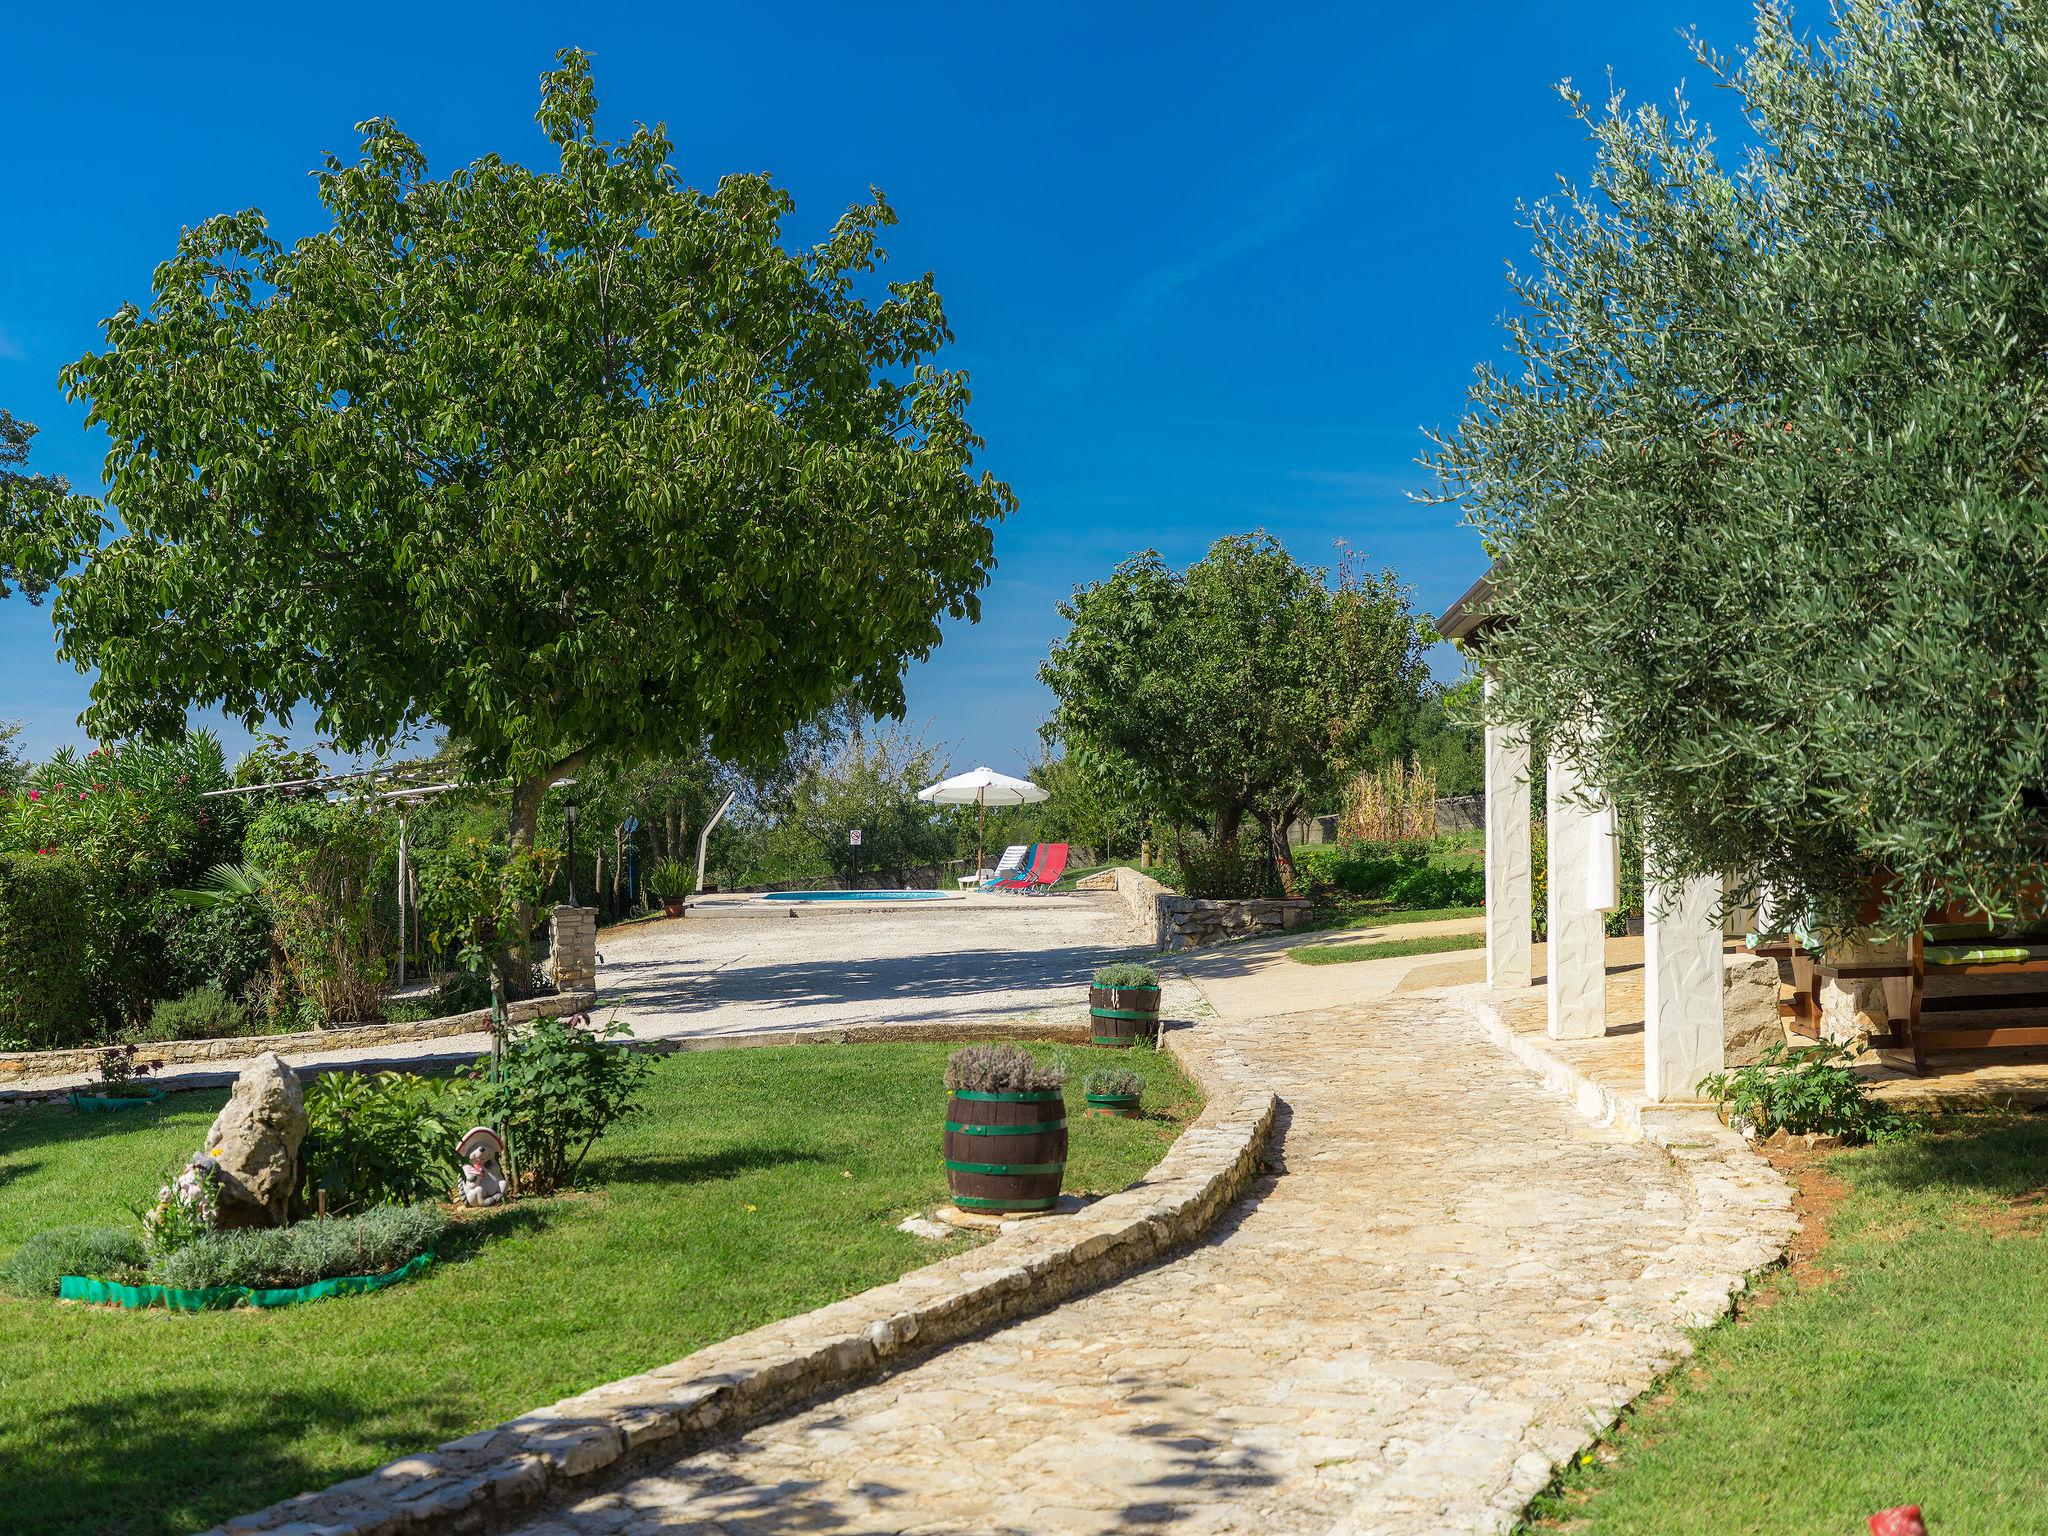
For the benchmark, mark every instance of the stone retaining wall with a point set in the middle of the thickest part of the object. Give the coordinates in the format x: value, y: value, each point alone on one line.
x: 468, y: 1484
x: 31, y: 1065
x: 1168, y: 920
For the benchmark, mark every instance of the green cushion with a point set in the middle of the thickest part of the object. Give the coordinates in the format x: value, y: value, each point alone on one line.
x: 1983, y: 932
x: 1984, y: 954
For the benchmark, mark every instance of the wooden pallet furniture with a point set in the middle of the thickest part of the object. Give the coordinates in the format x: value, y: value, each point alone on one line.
x: 1798, y: 986
x: 1926, y: 1026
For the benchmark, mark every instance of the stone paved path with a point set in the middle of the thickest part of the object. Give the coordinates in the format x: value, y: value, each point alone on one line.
x: 1398, y: 1334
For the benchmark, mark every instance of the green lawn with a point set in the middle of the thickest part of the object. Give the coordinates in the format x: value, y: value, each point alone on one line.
x: 1907, y: 1364
x: 760, y: 1183
x: 1386, y: 949
x: 1366, y: 916
x: 1165, y: 874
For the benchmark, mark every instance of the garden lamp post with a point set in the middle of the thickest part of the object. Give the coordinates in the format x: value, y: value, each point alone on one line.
x: 569, y: 823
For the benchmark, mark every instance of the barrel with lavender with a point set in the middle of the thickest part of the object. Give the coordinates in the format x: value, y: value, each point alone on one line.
x: 1123, y: 1005
x: 1006, y: 1130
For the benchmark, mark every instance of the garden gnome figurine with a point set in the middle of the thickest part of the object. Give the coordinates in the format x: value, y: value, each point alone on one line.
x: 482, y: 1154
x: 1903, y: 1521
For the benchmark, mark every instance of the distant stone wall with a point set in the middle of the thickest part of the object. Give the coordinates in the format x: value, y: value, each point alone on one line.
x: 1168, y: 920
x: 1461, y: 813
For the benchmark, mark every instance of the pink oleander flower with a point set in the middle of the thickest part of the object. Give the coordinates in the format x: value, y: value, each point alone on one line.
x: 35, y: 794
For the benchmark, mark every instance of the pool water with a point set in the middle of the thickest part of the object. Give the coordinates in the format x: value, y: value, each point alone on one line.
x: 853, y: 896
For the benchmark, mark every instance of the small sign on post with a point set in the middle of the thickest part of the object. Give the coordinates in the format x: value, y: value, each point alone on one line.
x: 853, y: 838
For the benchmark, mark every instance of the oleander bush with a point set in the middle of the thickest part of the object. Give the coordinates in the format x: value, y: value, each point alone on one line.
x: 373, y: 1243
x: 1001, y: 1069
x: 45, y: 952
x: 105, y: 1252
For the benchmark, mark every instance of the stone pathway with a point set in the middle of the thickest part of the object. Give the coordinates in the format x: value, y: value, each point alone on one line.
x: 1400, y: 1333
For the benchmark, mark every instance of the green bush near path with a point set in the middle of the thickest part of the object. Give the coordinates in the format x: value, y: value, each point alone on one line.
x: 757, y: 1184
x: 1386, y: 949
x: 1905, y: 1362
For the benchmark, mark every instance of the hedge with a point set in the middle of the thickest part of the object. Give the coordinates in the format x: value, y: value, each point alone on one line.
x: 45, y: 953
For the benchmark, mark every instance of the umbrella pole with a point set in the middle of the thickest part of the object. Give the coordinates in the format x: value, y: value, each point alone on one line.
x: 980, y: 833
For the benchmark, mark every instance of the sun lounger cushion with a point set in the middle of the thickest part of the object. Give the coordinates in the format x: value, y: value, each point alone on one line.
x: 1985, y: 954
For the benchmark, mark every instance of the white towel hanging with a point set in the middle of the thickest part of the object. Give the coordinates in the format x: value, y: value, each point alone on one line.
x: 1603, y: 857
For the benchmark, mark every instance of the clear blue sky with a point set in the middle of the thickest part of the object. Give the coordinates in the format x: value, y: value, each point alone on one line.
x: 1211, y: 269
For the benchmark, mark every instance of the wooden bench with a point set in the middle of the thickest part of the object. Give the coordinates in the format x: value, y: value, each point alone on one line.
x: 1949, y: 957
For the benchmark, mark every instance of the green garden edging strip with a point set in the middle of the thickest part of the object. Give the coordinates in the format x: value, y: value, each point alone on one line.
x: 213, y: 1298
x: 116, y: 1101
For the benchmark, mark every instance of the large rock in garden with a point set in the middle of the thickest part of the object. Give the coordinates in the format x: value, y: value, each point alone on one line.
x: 1749, y: 1009
x: 255, y: 1143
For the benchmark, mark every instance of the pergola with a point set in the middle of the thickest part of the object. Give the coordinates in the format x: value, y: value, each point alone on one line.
x: 1682, y: 933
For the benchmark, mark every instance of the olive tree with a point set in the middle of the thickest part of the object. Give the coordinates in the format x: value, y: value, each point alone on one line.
x: 558, y: 460
x: 1242, y: 686
x: 1766, y: 486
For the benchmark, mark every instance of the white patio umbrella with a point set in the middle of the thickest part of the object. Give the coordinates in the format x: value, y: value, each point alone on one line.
x: 983, y: 787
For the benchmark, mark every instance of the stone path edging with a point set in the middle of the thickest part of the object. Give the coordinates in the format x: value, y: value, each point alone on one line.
x: 1725, y: 1240
x: 55, y: 1069
x: 466, y: 1483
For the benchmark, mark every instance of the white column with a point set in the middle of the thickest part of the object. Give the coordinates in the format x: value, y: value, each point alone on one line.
x: 1576, y: 972
x: 1682, y: 963
x: 1508, y: 886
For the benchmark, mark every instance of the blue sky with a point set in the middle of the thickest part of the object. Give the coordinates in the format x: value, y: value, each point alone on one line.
x: 1211, y: 268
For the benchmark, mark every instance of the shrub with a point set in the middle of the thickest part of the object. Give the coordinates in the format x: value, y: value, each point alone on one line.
x: 1226, y: 872
x: 1114, y: 1082
x: 1334, y: 872
x: 99, y: 1251
x: 204, y: 1013
x: 45, y: 953
x: 378, y: 1138
x: 1437, y: 887
x: 374, y: 1243
x: 320, y: 863
x: 558, y: 1088
x: 1001, y: 1069
x: 1126, y: 973
x: 1803, y: 1091
x: 462, y: 992
x: 225, y: 942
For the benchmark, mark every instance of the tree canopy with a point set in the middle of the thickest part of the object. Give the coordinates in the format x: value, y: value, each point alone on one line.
x: 1765, y: 483
x: 557, y: 460
x: 43, y: 526
x: 1242, y: 686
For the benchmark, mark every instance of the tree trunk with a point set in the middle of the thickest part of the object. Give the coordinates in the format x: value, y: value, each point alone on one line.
x: 516, y: 965
x: 1228, y: 820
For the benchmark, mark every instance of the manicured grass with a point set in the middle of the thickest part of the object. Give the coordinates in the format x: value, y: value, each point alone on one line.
x: 1386, y: 949
x: 760, y: 1183
x: 1906, y: 1362
x: 1366, y: 917
x: 1165, y: 874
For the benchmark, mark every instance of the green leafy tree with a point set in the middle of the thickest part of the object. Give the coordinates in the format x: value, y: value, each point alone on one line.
x: 44, y: 528
x: 1242, y: 686
x: 871, y: 784
x: 557, y: 460
x: 1765, y: 485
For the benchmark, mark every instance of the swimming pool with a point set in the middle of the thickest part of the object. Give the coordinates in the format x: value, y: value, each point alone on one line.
x: 854, y: 895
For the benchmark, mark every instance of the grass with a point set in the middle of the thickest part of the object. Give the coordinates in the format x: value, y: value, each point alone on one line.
x: 1903, y: 1360
x: 1366, y: 916
x: 1386, y: 949
x: 760, y: 1183
x: 1165, y: 874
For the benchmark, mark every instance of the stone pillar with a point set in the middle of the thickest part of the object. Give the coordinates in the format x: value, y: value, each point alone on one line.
x: 572, y: 949
x: 1509, y: 918
x: 1576, y: 973
x: 1682, y: 1020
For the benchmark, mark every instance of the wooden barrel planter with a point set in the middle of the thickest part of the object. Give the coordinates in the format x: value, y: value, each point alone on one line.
x: 1124, y: 1015
x: 1006, y: 1151
x: 1123, y: 1106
